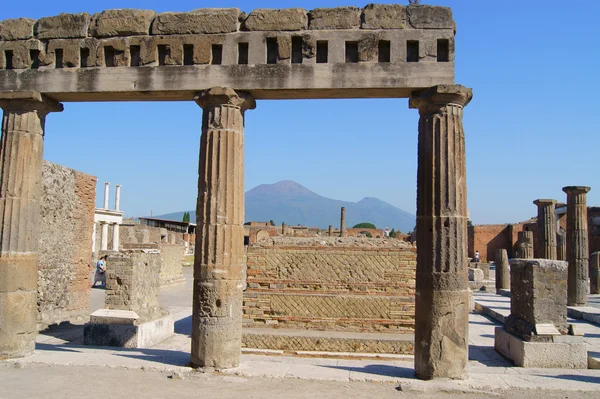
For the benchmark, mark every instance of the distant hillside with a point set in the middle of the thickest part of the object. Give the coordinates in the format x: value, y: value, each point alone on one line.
x: 290, y: 202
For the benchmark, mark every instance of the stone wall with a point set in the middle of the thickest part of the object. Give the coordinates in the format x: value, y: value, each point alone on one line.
x: 349, y: 284
x: 171, y: 269
x: 65, y: 245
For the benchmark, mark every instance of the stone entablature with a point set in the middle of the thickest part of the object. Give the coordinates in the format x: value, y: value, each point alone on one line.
x: 416, y: 44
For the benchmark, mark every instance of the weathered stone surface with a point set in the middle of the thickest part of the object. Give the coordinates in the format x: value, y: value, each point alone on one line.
x: 546, y: 221
x: 20, y: 194
x: 343, y: 222
x: 384, y: 16
x: 561, y: 244
x: 442, y: 291
x: 16, y: 29
x: 475, y: 275
x: 63, y: 26
x: 429, y: 17
x: 577, y: 244
x: 595, y: 273
x: 538, y: 290
x: 122, y: 22
x: 334, y: 18
x: 276, y: 19
x: 203, y: 20
x: 219, y: 260
x: 502, y: 271
x: 524, y: 245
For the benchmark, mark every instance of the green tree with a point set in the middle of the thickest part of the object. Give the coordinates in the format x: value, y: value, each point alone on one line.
x: 272, y: 222
x: 367, y: 234
x: 364, y: 225
x: 186, y: 217
x: 393, y: 233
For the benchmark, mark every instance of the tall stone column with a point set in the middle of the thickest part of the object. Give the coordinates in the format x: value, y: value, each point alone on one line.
x: 442, y: 290
x: 219, y: 260
x: 283, y: 229
x: 104, y: 238
x: 21, y: 151
x: 561, y: 245
x: 577, y: 245
x: 115, y: 237
x: 595, y: 273
x: 106, y: 192
x: 502, y: 271
x: 546, y: 221
x: 343, y: 222
x: 118, y: 197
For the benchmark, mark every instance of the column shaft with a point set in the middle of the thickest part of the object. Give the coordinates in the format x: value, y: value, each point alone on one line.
x: 502, y: 270
x: 595, y: 273
x: 577, y: 245
x: 442, y: 291
x: 218, y: 266
x: 21, y: 151
x: 343, y: 222
x: 546, y: 222
x: 115, y: 237
x: 104, y: 243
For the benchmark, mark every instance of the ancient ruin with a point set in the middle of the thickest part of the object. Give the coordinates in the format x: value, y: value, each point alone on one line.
x: 225, y: 60
x: 546, y: 243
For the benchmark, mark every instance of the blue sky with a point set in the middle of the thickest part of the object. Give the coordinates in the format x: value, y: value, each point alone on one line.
x: 532, y: 127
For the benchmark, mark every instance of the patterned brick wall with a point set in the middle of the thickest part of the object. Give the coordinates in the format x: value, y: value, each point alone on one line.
x: 349, y: 284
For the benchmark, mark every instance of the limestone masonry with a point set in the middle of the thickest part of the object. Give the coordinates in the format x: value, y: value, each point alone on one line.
x: 130, y: 54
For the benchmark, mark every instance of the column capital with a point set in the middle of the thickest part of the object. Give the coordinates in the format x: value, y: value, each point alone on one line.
x: 570, y: 190
x: 28, y: 101
x: 216, y: 96
x: 431, y: 100
x: 544, y: 202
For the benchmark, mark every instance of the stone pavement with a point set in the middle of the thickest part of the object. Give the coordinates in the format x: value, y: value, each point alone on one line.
x: 488, y: 371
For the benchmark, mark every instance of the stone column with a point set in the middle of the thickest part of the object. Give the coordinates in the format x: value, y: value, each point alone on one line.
x: 502, y: 271
x: 219, y: 260
x: 117, y: 197
x: 561, y: 245
x: 546, y: 222
x: 115, y: 237
x: 595, y: 273
x: 94, y: 237
x: 577, y: 245
x: 525, y: 245
x: 21, y: 160
x: 104, y: 238
x: 106, y: 192
x: 283, y: 229
x: 442, y: 290
x: 343, y: 223
x: 330, y: 231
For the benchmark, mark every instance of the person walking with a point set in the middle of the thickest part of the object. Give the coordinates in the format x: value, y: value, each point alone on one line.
x: 100, y: 274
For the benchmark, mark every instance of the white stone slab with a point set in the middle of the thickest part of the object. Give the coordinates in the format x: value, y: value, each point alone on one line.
x: 546, y: 329
x: 113, y: 316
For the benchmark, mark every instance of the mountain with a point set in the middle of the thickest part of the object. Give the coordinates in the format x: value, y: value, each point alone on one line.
x: 292, y: 203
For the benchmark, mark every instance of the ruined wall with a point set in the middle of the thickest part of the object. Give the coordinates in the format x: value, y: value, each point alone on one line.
x: 65, y: 250
x: 324, y: 283
x: 171, y: 268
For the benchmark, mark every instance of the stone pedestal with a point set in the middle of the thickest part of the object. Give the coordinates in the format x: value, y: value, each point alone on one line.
x: 442, y: 290
x: 525, y: 245
x: 546, y: 222
x: 595, y: 273
x: 535, y: 334
x: 577, y: 245
x: 21, y: 151
x: 343, y: 223
x: 502, y: 271
x: 219, y: 261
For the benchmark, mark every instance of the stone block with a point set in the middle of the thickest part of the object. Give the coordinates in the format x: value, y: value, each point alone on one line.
x: 263, y: 19
x: 111, y: 316
x: 384, y: 16
x: 122, y: 22
x: 203, y: 20
x: 538, y: 296
x: 63, y: 26
x: 16, y: 29
x: 475, y: 275
x: 429, y: 17
x: 127, y: 335
x: 485, y: 267
x: 334, y: 18
x: 564, y: 355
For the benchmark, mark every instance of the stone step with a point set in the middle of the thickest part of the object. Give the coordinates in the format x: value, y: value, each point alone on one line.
x: 587, y: 313
x: 292, y: 341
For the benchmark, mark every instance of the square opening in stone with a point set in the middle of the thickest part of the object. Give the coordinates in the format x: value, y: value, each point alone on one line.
x: 34, y: 55
x: 297, y: 50
x: 443, y: 50
x: 163, y: 50
x: 272, y: 50
x: 135, y: 59
x: 243, y: 53
x: 217, y: 54
x: 412, y: 51
x: 322, y: 51
x: 384, y: 51
x: 351, y: 52
x: 58, y: 58
x: 188, y: 54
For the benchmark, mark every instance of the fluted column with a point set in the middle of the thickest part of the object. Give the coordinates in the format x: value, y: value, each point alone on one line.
x: 218, y: 265
x: 21, y: 151
x: 595, y: 273
x: 546, y: 222
x: 561, y: 245
x: 502, y: 271
x: 577, y: 245
x: 525, y: 248
x: 442, y: 290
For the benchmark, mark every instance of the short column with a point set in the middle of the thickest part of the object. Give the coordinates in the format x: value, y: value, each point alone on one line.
x: 115, y: 237
x: 577, y: 245
x: 104, y: 243
x: 442, y: 290
x: 525, y: 245
x: 546, y: 222
x: 219, y: 260
x: 502, y: 271
x: 21, y: 160
x: 595, y: 273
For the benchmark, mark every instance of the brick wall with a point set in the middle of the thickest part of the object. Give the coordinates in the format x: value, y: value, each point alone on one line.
x: 67, y: 217
x: 327, y: 283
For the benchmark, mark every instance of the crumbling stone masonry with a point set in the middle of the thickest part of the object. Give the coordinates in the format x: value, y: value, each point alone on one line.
x: 577, y: 245
x: 525, y: 248
x: 20, y: 195
x: 546, y: 245
x: 442, y: 291
x: 219, y: 263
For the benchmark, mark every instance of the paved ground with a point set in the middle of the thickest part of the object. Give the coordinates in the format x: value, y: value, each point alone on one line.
x: 60, y: 360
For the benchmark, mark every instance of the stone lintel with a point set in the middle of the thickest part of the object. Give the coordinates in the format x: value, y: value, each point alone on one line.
x: 29, y: 99
x: 225, y: 96
x: 576, y: 189
x: 431, y: 99
x: 543, y: 202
